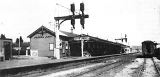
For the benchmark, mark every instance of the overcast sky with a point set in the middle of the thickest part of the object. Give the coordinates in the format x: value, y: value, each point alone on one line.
x: 108, y: 19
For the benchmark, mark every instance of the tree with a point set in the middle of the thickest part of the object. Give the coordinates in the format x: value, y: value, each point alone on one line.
x: 21, y: 40
x: 17, y: 40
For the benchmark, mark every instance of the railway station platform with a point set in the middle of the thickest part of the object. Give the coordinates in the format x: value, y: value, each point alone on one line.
x: 25, y: 63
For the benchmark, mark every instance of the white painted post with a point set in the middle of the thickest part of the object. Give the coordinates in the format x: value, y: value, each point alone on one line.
x: 57, y: 52
x: 82, y: 47
x: 26, y: 52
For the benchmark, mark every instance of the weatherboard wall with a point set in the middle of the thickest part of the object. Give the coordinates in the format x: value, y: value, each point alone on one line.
x: 41, y: 43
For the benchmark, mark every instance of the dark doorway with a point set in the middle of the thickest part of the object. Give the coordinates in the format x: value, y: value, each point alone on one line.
x: 7, y: 50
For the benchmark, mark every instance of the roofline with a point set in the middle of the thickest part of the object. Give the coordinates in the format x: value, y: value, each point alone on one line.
x: 105, y: 41
x: 33, y: 33
x: 6, y: 39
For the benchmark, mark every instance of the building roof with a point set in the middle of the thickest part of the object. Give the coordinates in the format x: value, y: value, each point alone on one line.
x: 50, y: 31
x: 5, y: 39
x: 96, y: 39
x: 69, y: 34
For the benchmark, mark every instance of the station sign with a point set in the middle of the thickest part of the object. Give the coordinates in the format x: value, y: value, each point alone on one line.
x: 81, y: 38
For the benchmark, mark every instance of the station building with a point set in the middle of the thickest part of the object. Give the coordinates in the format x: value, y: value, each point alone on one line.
x: 5, y: 49
x: 43, y: 42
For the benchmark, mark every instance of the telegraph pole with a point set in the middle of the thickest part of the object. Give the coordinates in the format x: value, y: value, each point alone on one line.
x: 19, y: 45
x: 72, y: 18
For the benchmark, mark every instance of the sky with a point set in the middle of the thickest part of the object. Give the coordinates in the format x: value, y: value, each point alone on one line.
x: 108, y: 19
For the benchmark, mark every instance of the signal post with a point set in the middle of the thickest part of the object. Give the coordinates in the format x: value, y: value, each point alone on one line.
x: 61, y: 19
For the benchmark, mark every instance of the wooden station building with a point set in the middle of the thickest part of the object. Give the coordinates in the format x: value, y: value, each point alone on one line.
x: 43, y: 42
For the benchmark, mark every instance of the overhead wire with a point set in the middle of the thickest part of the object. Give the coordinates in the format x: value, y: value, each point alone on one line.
x: 65, y: 7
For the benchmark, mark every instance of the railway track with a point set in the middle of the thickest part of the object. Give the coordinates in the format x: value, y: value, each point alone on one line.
x: 98, y: 71
x: 143, y: 68
x: 110, y: 66
x: 157, y: 70
x: 148, y: 68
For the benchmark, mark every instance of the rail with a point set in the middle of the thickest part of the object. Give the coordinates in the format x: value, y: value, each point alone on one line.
x: 156, y: 67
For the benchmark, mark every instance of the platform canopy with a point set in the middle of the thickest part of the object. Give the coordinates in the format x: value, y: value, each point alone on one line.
x: 88, y: 38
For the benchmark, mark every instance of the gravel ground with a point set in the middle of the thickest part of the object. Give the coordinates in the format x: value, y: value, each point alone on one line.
x: 129, y: 69
x: 132, y: 69
x: 149, y: 69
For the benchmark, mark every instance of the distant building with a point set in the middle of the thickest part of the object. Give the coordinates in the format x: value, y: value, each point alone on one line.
x: 43, y: 42
x: 136, y: 48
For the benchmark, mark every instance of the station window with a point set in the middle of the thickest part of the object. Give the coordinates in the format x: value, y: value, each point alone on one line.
x: 51, y: 46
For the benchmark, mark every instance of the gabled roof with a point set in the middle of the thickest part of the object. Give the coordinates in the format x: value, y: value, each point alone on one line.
x: 39, y: 29
x: 62, y: 33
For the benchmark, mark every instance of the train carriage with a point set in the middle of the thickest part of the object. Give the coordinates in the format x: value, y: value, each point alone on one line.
x: 157, y: 53
x: 148, y: 48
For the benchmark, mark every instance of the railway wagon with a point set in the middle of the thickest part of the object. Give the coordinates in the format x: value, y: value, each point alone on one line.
x: 157, y: 53
x: 148, y: 48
